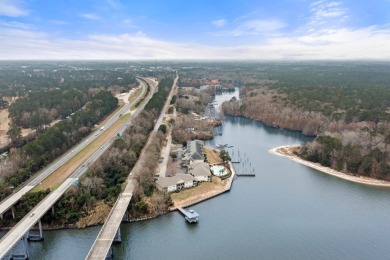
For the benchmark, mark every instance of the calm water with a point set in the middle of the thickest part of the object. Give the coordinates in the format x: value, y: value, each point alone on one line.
x: 288, y: 211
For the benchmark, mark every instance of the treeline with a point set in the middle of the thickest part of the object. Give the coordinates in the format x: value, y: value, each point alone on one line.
x: 20, y: 78
x: 159, y: 98
x: 30, y: 158
x: 349, y: 91
x: 104, y: 179
x: 40, y: 108
x: 356, y: 152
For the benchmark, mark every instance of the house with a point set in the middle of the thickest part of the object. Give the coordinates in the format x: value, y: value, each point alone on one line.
x: 189, y: 181
x: 194, y: 151
x: 178, y: 182
x: 200, y: 170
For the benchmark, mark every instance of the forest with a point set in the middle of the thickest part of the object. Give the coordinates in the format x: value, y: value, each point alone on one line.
x: 345, y: 105
x: 40, y: 108
x: 33, y: 156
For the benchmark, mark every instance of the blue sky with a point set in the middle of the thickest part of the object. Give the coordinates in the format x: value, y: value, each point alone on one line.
x: 214, y: 29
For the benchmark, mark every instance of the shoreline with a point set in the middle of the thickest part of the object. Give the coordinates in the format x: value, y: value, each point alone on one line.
x: 357, y: 179
x: 190, y: 202
x: 209, y: 195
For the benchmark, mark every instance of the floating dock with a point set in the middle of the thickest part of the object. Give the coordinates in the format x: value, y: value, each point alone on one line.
x: 246, y: 174
x: 190, y: 215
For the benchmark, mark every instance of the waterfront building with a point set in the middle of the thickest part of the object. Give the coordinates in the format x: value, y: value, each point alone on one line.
x: 200, y: 170
x: 178, y: 182
x: 194, y: 151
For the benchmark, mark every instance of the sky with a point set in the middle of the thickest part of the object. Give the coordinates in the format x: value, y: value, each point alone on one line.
x: 201, y: 29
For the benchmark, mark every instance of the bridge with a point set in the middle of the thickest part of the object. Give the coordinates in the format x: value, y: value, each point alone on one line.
x: 110, y: 231
x: 20, y: 231
x: 101, y: 248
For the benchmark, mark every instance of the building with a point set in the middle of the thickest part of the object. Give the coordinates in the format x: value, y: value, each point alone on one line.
x: 189, y: 181
x: 178, y: 182
x: 200, y: 171
x: 194, y: 151
x: 169, y: 184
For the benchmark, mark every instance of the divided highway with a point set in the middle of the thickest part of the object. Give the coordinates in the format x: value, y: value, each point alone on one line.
x: 18, y: 231
x: 40, y: 176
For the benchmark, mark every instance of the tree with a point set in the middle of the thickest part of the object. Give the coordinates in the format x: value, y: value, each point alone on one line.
x: 225, y: 157
x: 15, y: 134
x: 163, y: 128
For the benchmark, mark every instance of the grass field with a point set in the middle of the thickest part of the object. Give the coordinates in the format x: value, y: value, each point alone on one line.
x: 212, y: 157
x: 203, y: 190
x: 135, y: 94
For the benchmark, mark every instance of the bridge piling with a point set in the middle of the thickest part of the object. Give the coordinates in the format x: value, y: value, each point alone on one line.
x: 118, y: 238
x: 25, y: 254
x: 110, y: 255
x: 36, y: 238
x: 13, y: 212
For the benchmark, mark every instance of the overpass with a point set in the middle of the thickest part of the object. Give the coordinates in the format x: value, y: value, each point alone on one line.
x: 7, y: 203
x: 111, y: 228
x: 19, y: 231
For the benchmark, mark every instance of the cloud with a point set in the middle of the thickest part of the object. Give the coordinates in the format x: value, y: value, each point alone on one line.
x: 324, y: 12
x: 337, y: 44
x: 219, y: 23
x: 253, y: 27
x: 115, y: 4
x: 13, y: 8
x: 90, y: 16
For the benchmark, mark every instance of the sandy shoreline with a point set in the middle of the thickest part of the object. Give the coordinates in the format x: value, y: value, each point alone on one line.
x: 281, y: 151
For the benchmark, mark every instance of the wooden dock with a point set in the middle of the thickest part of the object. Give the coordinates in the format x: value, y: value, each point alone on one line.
x: 246, y: 174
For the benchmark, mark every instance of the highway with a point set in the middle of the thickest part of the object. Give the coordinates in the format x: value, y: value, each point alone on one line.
x: 102, y: 244
x: 16, y: 233
x: 7, y: 203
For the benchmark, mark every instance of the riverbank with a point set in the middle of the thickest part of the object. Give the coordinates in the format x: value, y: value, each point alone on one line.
x: 287, y: 151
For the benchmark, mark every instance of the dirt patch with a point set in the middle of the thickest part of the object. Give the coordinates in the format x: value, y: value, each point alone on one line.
x: 4, y: 125
x: 96, y: 216
x: 134, y: 95
x: 212, y: 157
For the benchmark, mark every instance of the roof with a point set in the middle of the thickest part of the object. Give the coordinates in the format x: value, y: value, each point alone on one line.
x: 200, y: 169
x: 185, y: 177
x: 191, y: 214
x: 165, y: 182
x: 168, y: 181
x: 195, y: 150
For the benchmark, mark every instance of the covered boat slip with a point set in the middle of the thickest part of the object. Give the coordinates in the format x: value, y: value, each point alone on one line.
x: 190, y: 215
